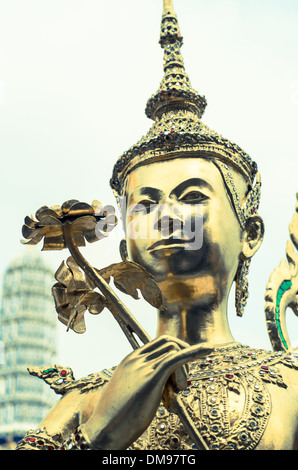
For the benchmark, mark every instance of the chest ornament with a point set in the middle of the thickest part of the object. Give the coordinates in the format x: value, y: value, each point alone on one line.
x: 226, y: 398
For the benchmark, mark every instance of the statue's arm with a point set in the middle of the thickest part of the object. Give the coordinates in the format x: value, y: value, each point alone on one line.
x: 53, y: 430
x: 115, y: 414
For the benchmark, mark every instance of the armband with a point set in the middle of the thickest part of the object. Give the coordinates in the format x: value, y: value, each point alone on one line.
x: 39, y: 439
x: 76, y: 441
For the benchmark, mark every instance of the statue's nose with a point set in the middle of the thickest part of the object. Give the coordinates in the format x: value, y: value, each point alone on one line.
x: 168, y: 221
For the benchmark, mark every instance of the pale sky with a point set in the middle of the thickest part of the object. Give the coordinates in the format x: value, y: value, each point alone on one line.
x: 74, y: 80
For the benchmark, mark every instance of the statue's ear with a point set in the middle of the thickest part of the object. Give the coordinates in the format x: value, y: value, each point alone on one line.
x: 253, y: 236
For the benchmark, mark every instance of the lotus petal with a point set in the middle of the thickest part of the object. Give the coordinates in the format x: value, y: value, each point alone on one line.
x: 53, y: 242
x: 91, y: 236
x: 30, y: 222
x: 67, y: 205
x: 57, y: 210
x: 49, y: 220
x: 45, y: 211
x: 80, y: 209
x: 60, y: 296
x: 94, y: 301
x: 35, y: 235
x: 33, y: 241
x: 29, y: 232
x: 97, y: 207
x: 63, y: 275
x: 86, y: 222
x: 78, y: 324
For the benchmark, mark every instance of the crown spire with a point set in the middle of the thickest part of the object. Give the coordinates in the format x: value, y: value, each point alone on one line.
x: 178, y: 130
x: 170, y: 30
x: 168, y: 6
x: 175, y: 90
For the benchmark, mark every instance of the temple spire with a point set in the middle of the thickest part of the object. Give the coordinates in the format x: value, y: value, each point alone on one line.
x: 175, y: 90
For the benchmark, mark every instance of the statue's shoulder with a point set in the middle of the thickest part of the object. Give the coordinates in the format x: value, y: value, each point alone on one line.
x: 61, y: 379
x: 240, y: 362
x: 288, y: 362
x: 288, y: 358
x: 278, y: 367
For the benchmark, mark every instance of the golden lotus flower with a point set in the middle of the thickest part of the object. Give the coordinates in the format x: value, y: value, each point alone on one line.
x: 88, y: 222
x: 73, y: 295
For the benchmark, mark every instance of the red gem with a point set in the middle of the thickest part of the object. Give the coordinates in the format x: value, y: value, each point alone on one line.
x: 249, y: 354
x: 172, y: 132
x: 50, y: 448
x: 210, y: 361
x: 231, y: 357
x: 78, y: 437
x: 63, y: 372
x: 40, y: 443
x: 188, y: 383
x: 264, y: 367
x: 229, y: 376
x: 32, y: 439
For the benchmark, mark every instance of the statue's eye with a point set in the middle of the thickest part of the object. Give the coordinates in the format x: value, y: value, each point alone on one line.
x: 193, y: 197
x: 143, y: 207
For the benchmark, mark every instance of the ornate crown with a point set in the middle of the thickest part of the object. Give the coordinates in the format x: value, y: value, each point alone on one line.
x: 178, y: 131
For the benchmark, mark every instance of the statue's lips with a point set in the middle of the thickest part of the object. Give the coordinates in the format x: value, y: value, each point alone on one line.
x: 169, y: 243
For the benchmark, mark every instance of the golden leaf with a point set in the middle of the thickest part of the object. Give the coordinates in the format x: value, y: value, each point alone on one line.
x: 129, y: 277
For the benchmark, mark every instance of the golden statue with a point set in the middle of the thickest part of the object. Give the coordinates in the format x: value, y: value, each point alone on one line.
x: 188, y: 200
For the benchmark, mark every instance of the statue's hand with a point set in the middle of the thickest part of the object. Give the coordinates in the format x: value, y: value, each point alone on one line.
x: 130, y: 400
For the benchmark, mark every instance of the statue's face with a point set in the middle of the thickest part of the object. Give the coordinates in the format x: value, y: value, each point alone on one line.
x: 180, y: 224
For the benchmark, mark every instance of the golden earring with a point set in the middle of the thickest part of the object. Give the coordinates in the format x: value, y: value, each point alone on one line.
x: 241, y: 294
x: 123, y: 250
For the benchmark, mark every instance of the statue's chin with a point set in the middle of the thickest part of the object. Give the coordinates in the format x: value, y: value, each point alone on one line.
x: 175, y: 262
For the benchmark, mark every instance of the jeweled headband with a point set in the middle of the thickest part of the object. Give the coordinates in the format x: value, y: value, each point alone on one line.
x: 178, y: 131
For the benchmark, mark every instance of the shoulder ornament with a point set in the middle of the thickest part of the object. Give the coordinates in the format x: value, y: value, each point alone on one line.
x: 61, y: 379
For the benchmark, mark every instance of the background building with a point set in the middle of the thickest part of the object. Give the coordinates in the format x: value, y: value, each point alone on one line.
x: 28, y: 338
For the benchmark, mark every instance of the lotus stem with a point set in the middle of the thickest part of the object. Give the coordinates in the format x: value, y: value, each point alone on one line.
x: 124, y: 317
